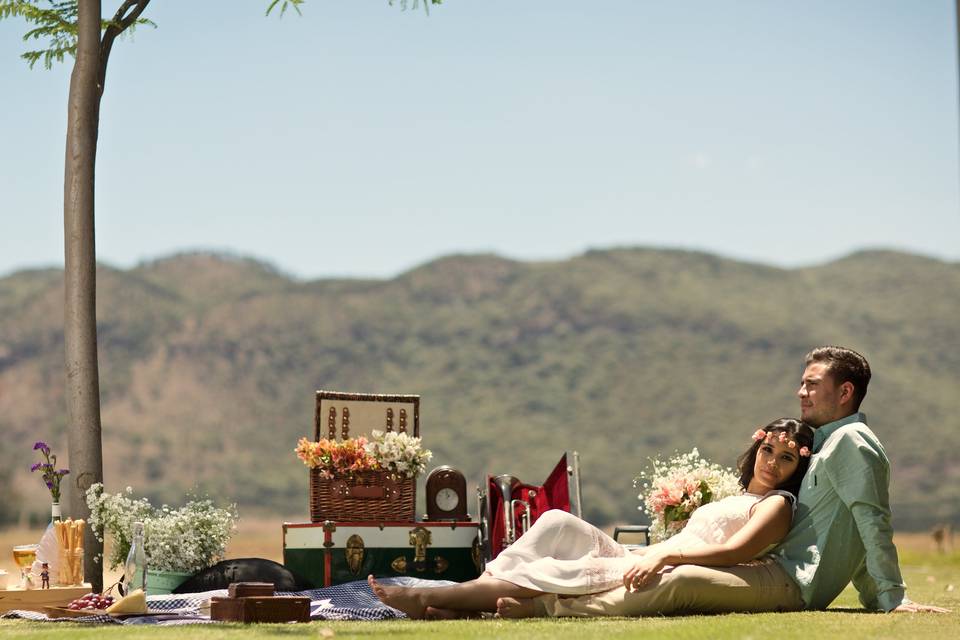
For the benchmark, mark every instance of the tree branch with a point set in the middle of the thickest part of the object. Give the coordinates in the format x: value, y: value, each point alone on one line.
x: 125, y: 16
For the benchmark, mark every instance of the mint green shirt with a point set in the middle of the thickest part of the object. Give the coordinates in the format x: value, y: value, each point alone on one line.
x: 842, y: 530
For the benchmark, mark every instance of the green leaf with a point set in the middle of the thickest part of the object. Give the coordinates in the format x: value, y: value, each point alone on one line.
x: 705, y: 492
x: 283, y: 7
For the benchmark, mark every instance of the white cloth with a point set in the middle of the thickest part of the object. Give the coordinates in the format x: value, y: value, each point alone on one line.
x: 565, y: 555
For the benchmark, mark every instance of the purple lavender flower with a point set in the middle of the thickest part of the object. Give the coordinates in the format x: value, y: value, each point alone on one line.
x: 51, y: 475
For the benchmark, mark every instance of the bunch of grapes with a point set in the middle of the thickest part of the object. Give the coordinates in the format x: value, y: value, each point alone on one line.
x: 91, y: 601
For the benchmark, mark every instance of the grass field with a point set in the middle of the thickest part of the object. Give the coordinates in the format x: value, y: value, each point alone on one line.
x: 932, y: 578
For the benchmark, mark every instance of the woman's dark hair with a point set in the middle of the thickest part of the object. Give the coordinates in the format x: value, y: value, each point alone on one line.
x: 799, y: 432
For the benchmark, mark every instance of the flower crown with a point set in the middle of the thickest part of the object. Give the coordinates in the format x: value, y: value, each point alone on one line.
x: 760, y: 434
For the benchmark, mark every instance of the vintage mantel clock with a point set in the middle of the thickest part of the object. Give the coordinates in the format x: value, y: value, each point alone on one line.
x: 446, y: 494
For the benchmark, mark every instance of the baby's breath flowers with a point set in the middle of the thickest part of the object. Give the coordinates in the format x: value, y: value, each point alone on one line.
x: 188, y: 539
x: 673, y: 489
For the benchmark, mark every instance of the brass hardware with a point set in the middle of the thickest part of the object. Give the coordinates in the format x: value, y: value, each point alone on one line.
x: 386, y: 491
x: 354, y: 553
x: 329, y: 527
x: 332, y: 423
x: 389, y: 418
x: 475, y: 554
x: 345, y: 424
x: 390, y: 489
x: 420, y: 539
x: 403, y: 420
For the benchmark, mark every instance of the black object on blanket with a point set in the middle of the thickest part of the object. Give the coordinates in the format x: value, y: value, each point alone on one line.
x: 222, y: 574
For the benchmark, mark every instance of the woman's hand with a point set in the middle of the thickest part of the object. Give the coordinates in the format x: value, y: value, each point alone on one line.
x: 643, y: 570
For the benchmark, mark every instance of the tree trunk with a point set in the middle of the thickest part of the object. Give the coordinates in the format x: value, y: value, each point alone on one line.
x: 80, y: 285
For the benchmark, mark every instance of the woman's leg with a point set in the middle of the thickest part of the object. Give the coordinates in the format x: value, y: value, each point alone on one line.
x: 476, y: 595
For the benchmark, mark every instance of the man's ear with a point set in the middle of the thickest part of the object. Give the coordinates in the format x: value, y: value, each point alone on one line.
x: 846, y: 392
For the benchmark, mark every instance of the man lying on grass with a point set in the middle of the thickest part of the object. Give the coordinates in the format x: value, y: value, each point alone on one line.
x: 840, y: 532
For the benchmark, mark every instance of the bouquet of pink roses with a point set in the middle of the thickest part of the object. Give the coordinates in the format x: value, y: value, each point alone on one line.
x: 673, y: 489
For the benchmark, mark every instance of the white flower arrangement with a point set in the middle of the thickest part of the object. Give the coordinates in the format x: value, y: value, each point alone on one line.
x: 398, y: 452
x: 187, y: 539
x: 673, y: 489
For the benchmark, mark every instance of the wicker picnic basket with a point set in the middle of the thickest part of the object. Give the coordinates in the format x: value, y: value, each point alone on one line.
x: 367, y: 495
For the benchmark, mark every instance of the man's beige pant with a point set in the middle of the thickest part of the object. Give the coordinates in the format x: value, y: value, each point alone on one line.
x: 759, y: 586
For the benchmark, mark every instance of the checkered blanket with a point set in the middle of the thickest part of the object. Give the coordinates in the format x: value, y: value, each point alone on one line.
x: 349, y: 601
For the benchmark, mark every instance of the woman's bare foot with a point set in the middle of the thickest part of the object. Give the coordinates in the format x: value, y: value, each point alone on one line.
x: 436, y: 613
x: 402, y: 598
x: 515, y: 608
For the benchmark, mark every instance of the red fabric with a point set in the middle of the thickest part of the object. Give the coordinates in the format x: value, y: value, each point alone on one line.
x: 554, y: 493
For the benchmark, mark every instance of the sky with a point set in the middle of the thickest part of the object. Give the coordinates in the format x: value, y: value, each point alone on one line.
x: 363, y: 140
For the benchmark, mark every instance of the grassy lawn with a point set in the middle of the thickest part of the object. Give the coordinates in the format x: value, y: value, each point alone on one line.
x: 932, y: 578
x: 930, y: 581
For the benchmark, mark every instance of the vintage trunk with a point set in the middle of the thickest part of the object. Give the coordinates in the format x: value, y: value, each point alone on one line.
x: 331, y: 553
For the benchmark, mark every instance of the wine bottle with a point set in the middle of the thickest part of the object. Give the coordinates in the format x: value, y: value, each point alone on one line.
x: 135, y: 569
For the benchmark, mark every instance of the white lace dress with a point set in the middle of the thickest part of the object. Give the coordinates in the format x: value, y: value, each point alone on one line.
x: 565, y: 555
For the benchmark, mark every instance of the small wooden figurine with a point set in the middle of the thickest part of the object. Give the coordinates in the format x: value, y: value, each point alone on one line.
x: 45, y: 576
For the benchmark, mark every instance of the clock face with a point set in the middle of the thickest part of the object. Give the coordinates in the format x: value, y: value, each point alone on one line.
x: 447, y: 499
x: 446, y: 495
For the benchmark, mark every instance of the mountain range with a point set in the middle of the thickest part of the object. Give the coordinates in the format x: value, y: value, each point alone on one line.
x: 209, y: 364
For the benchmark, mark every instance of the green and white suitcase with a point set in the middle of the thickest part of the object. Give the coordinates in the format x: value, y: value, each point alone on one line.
x: 329, y: 553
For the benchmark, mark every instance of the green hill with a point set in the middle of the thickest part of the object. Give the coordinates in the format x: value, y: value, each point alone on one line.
x: 209, y: 363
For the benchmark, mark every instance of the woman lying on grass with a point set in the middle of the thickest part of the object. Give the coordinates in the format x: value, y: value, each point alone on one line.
x: 565, y: 556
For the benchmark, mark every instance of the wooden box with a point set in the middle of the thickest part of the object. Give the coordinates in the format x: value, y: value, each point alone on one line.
x: 261, y: 609
x: 37, y: 599
x: 249, y: 589
x: 332, y: 553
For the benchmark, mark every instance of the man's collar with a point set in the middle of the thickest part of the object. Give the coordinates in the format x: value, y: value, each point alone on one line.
x: 824, y: 432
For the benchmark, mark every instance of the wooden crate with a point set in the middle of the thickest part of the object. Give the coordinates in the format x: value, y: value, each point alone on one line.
x: 37, y: 599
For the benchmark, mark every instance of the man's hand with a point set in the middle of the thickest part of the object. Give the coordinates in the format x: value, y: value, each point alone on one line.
x: 914, y: 607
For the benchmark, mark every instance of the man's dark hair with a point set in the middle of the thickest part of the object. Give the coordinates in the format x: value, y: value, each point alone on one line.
x: 844, y: 365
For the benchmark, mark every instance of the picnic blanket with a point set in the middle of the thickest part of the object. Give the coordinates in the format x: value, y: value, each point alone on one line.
x: 348, y: 601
